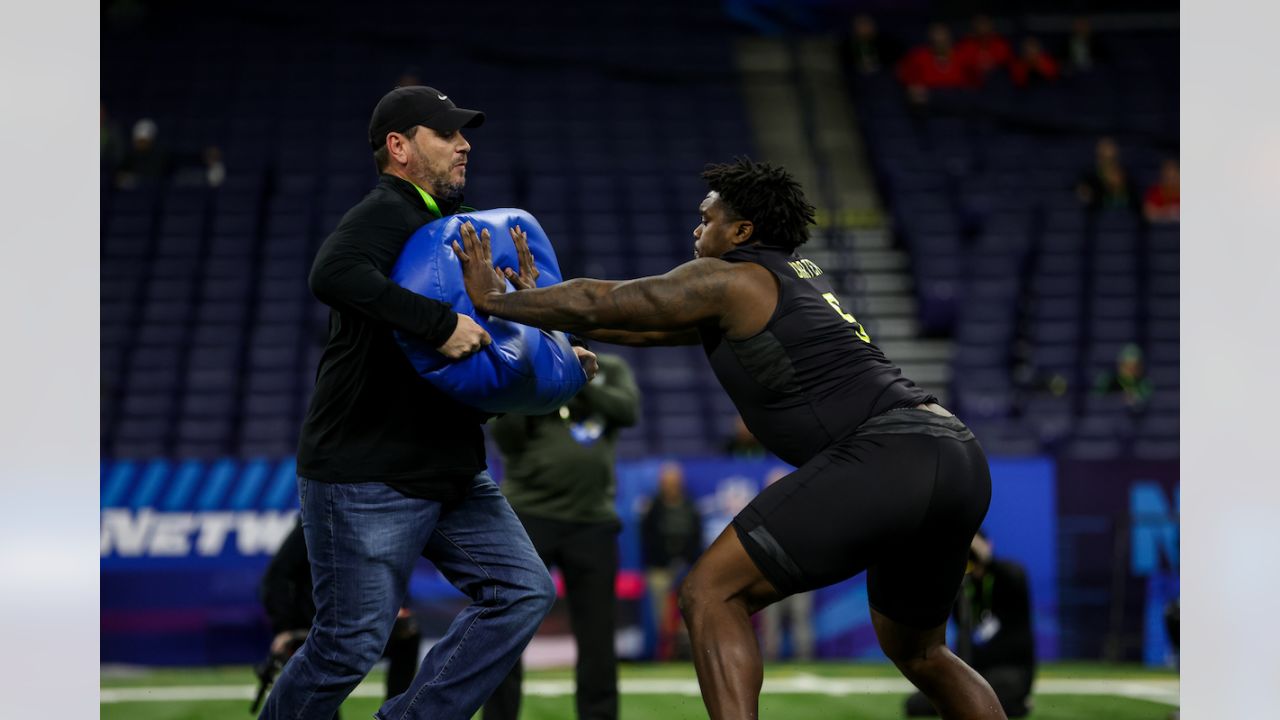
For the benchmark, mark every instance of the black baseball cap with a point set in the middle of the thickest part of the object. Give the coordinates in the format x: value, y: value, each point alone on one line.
x: 406, y: 107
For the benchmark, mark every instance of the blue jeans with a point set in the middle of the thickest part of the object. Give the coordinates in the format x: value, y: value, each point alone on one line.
x: 362, y: 540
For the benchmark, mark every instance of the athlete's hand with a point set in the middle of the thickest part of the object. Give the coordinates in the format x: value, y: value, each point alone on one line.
x: 527, y: 277
x: 478, y: 273
x: 589, y: 363
x: 467, y: 339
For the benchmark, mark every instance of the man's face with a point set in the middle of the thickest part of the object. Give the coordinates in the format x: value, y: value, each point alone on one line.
x: 438, y: 161
x: 715, y: 235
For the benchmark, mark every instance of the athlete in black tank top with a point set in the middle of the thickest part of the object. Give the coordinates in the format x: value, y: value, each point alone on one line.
x: 880, y: 485
x: 812, y: 375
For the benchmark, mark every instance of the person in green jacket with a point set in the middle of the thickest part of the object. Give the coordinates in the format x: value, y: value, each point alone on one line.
x: 560, y: 480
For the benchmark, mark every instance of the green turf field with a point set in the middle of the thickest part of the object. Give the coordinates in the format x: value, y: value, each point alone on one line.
x: 669, y: 692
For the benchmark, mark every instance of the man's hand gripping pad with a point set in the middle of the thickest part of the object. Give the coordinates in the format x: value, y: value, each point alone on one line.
x: 525, y: 370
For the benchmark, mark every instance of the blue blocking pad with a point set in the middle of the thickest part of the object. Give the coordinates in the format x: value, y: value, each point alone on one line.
x: 526, y: 370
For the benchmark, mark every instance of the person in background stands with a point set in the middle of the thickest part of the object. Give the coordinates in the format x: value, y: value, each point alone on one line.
x: 1128, y: 379
x: 934, y: 65
x: 866, y: 51
x: 984, y: 50
x: 1082, y: 50
x: 1106, y: 186
x: 1161, y: 205
x: 1033, y: 65
x: 145, y: 159
x: 671, y: 540
x: 560, y: 480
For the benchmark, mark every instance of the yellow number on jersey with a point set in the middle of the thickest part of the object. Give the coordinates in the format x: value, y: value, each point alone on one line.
x: 857, y: 326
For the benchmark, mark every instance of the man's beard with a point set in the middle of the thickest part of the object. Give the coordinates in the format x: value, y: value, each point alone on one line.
x: 446, y: 190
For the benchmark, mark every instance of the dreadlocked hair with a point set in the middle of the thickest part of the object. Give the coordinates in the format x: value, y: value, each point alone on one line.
x: 767, y: 196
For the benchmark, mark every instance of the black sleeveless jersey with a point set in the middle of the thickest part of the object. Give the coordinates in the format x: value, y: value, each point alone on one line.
x: 812, y: 376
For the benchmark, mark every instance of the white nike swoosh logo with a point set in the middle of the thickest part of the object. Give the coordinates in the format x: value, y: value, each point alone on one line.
x: 443, y: 97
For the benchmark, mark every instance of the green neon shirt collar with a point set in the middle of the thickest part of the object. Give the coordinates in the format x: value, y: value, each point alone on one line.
x: 430, y: 201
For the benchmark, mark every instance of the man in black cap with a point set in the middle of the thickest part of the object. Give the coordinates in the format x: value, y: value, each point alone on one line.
x: 389, y: 467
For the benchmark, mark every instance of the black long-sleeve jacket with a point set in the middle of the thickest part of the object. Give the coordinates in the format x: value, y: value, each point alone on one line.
x: 373, y: 418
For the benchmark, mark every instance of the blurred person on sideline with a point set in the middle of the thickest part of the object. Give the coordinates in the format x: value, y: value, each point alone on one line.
x: 285, y: 592
x: 1129, y: 378
x: 561, y: 482
x: 390, y: 468
x: 994, y: 623
x: 1033, y: 66
x: 742, y: 444
x: 1161, y: 205
x: 887, y: 481
x: 670, y: 542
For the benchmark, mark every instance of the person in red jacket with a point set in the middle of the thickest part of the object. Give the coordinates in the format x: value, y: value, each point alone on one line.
x: 984, y: 50
x: 935, y: 65
x: 1034, y: 65
x: 1161, y: 203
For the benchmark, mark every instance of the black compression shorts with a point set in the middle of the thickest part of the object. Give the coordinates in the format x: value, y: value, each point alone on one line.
x: 901, y: 498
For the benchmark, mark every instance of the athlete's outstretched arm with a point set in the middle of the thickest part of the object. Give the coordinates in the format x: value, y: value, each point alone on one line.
x: 692, y: 293
x: 526, y: 278
x: 651, y: 338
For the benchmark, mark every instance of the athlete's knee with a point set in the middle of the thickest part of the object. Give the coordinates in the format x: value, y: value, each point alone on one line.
x: 929, y: 661
x: 692, y: 594
x: 699, y: 592
x: 915, y: 651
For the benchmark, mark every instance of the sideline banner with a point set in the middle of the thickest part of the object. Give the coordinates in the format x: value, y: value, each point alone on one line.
x: 184, y: 545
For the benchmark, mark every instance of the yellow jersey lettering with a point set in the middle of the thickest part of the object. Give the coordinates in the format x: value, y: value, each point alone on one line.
x: 858, y: 330
x: 805, y: 269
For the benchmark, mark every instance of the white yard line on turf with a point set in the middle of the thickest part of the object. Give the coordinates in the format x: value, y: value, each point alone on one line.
x: 1155, y: 690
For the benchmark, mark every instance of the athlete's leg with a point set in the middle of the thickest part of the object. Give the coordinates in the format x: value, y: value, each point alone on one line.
x: 954, y: 688
x: 912, y: 590
x: 718, y: 597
